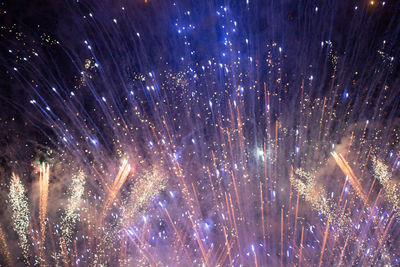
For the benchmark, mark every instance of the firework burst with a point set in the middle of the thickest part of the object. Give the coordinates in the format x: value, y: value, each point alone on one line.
x: 198, y: 134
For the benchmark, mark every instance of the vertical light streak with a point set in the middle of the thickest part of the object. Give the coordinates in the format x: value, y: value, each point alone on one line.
x: 199, y: 242
x: 324, y: 243
x: 4, y: 248
x: 343, y: 250
x: 255, y: 259
x: 262, y: 213
x: 44, y: 193
x: 228, y: 247
x: 295, y: 217
x: 281, y: 237
x: 321, y: 120
x: 301, y: 246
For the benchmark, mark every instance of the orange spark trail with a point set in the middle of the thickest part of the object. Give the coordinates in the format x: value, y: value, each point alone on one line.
x: 177, y: 234
x: 262, y: 212
x: 301, y: 245
x: 355, y: 183
x: 4, y: 248
x: 324, y: 243
x: 44, y: 192
x: 342, y: 253
x: 281, y: 237
x: 295, y: 218
x: 118, y: 182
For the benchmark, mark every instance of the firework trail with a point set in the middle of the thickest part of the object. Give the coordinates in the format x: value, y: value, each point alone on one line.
x: 72, y: 208
x: 117, y: 184
x: 344, y: 166
x: 200, y: 134
x: 44, y: 192
x: 4, y: 249
x: 20, y: 213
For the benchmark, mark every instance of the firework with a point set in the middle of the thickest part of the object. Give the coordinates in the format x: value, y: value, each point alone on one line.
x: 20, y: 214
x: 207, y: 135
x: 72, y: 208
x: 44, y: 192
x: 390, y: 187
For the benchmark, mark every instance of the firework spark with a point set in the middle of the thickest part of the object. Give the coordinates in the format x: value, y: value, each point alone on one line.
x: 390, y: 187
x: 20, y: 214
x: 197, y: 134
x: 71, y: 210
